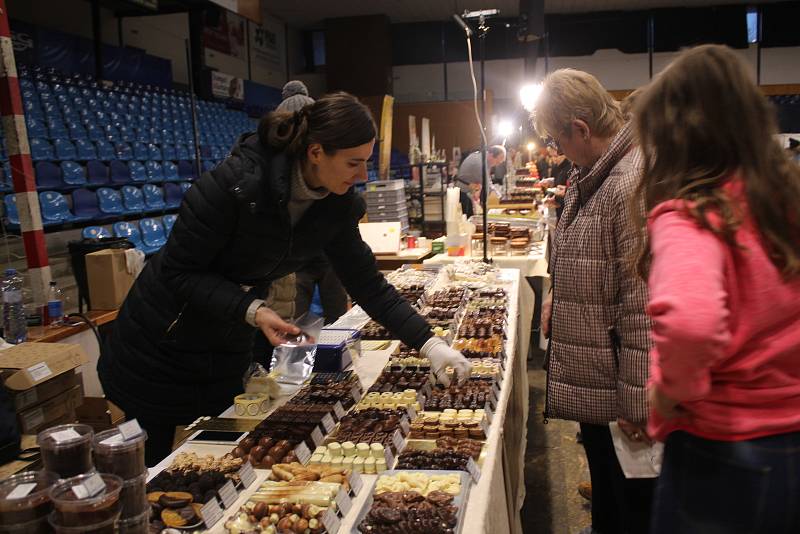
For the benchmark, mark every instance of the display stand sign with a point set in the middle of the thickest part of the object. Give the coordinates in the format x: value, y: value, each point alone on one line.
x: 211, y: 512
x: 247, y: 475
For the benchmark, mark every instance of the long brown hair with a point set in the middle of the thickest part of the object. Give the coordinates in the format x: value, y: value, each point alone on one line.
x: 335, y: 121
x: 701, y: 122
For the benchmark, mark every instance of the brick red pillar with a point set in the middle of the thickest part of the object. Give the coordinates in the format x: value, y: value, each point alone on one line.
x: 19, y: 155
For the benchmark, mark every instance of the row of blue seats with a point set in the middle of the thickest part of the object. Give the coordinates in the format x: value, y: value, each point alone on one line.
x: 84, y: 150
x: 103, y: 204
x: 92, y: 90
x: 56, y: 129
x: 148, y: 235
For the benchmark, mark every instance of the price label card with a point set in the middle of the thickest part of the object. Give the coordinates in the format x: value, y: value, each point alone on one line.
x: 387, y: 452
x: 405, y: 426
x: 356, y: 482
x: 473, y: 470
x: 356, y: 393
x: 211, y: 512
x: 247, y: 475
x: 338, y: 409
x: 398, y: 441
x: 228, y: 494
x: 344, y: 502
x: 485, y: 427
x: 303, y: 453
x: 40, y: 371
x: 328, y: 423
x: 130, y: 429
x: 317, y: 437
x: 412, y: 412
x: 90, y: 487
x: 21, y: 491
x: 65, y: 435
x: 331, y: 521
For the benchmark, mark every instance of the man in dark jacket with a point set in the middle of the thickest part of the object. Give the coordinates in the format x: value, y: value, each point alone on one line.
x: 183, y: 338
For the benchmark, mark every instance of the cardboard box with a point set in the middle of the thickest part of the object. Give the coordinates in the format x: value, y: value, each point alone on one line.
x: 109, y: 279
x: 29, y: 364
x: 48, y: 413
x: 45, y: 391
x: 100, y: 414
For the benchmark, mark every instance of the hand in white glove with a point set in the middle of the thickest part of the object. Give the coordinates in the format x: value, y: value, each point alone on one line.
x: 442, y: 357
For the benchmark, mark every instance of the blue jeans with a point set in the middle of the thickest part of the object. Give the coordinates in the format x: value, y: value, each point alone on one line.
x: 721, y: 487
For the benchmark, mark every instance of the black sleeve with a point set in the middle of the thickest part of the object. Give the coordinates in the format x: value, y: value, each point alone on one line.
x: 466, y: 204
x: 206, y: 222
x: 354, y: 263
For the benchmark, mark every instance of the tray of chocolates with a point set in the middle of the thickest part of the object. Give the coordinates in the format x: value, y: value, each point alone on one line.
x: 263, y: 451
x: 475, y: 347
x: 373, y: 330
x: 433, y: 460
x: 366, y: 458
x: 368, y: 426
x: 325, y: 379
x: 445, y: 299
x: 415, y: 502
x: 469, y: 447
x: 329, y: 393
x: 472, y: 395
x: 395, y: 380
x: 452, y: 423
x: 399, y: 400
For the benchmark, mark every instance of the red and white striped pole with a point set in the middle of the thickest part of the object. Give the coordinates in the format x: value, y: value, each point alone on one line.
x: 19, y: 155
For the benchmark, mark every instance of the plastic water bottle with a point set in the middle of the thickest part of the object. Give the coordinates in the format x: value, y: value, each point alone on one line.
x: 15, y: 327
x: 54, y: 313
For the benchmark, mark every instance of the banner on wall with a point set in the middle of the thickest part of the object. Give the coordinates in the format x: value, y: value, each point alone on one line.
x: 226, y: 86
x: 223, y: 32
x: 265, y: 48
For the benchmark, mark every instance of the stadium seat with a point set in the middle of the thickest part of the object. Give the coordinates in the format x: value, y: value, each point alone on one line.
x: 73, y: 174
x: 133, y: 199
x: 208, y: 165
x: 48, y: 175
x: 168, y: 153
x: 110, y: 201
x: 138, y: 172
x: 126, y: 134
x: 54, y: 208
x: 76, y: 131
x: 154, y: 152
x: 123, y: 151
x: 153, y: 197
x: 143, y: 135
x: 120, y: 173
x: 140, y: 151
x: 85, y: 149
x: 170, y: 172
x: 57, y: 129
x: 95, y: 132
x: 97, y: 173
x: 85, y: 204
x: 41, y: 149
x: 185, y: 186
x: 35, y: 127
x: 65, y: 150
x: 105, y: 150
x: 12, y: 215
x: 112, y: 134
x: 155, y: 173
x: 169, y: 222
x: 186, y: 170
x: 96, y: 232
x: 153, y: 234
x: 173, y: 194
x: 130, y: 231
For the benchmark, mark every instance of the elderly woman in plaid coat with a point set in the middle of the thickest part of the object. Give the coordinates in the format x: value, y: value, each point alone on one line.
x: 599, y: 333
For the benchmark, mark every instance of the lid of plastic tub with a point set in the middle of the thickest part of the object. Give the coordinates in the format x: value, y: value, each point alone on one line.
x: 64, y: 435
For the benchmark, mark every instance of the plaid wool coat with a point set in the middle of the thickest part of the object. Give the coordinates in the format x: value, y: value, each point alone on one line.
x: 598, y: 354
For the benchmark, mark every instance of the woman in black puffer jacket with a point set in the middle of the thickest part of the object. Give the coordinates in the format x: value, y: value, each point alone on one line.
x: 183, y: 338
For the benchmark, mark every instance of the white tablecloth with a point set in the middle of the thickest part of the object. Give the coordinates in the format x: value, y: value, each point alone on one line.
x: 495, y: 501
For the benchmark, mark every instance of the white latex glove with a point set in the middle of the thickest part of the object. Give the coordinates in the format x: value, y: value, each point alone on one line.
x: 275, y: 329
x: 442, y: 357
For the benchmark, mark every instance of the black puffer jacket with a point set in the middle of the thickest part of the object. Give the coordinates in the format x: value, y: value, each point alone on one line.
x: 180, y: 345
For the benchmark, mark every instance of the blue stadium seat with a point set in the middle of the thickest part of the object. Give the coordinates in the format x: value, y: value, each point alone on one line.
x: 65, y: 149
x: 120, y: 174
x: 105, y: 150
x: 171, y: 172
x: 185, y: 186
x: 54, y: 208
x: 112, y: 134
x: 41, y: 149
x: 173, y: 194
x: 153, y: 197
x: 32, y: 110
x: 35, y: 127
x: 48, y: 175
x: 153, y: 234
x: 168, y: 153
x: 77, y: 131
x: 155, y: 173
x: 110, y: 201
x: 6, y: 180
x: 97, y: 172
x: 208, y: 165
x: 216, y: 152
x: 123, y: 151
x: 96, y: 232
x: 169, y: 222
x: 73, y: 174
x: 131, y: 232
x: 166, y: 136
x: 133, y: 199
x: 143, y: 135
x: 57, y: 129
x: 183, y: 152
x: 95, y: 132
x: 138, y: 172
x: 12, y: 215
x: 126, y: 134
x: 86, y: 150
x: 155, y: 135
x: 186, y: 170
x: 154, y: 152
x: 85, y: 204
x: 140, y: 151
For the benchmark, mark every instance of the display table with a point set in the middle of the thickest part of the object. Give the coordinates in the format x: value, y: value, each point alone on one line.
x: 534, y: 264
x: 495, y: 501
x: 389, y: 262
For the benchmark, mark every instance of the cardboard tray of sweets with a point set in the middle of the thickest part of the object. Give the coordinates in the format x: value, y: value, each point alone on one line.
x: 430, y: 445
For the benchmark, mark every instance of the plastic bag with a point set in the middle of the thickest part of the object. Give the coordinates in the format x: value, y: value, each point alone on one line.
x: 293, y: 360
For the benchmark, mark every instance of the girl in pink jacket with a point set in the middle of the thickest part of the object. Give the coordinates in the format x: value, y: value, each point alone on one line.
x: 723, y: 262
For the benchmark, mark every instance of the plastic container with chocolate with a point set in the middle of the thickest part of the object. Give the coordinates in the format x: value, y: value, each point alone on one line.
x: 135, y: 525
x: 133, y: 497
x: 25, y: 502
x: 118, y: 457
x: 97, y: 514
x: 66, y: 449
